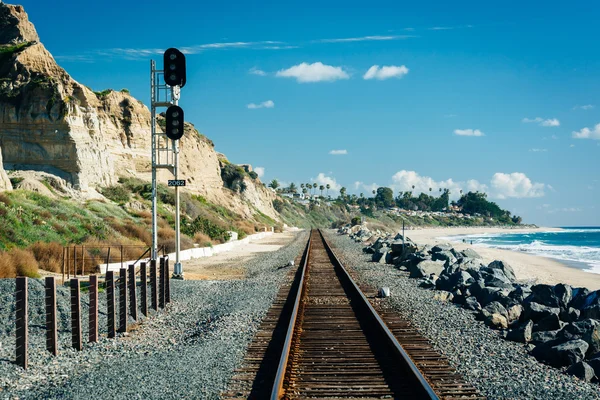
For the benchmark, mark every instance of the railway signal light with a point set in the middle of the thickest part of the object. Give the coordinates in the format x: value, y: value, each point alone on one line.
x: 174, y: 67
x: 174, y: 127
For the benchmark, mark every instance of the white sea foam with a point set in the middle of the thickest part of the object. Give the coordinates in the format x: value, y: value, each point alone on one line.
x: 587, y: 255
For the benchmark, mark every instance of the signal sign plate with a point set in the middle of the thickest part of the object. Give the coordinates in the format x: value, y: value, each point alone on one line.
x: 176, y: 182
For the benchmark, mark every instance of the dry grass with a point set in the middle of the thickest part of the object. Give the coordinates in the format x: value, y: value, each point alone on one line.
x: 202, y: 239
x: 245, y: 226
x: 7, y: 268
x: 24, y: 262
x: 48, y: 255
x: 133, y: 230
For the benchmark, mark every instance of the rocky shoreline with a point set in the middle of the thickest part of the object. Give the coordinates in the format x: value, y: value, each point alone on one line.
x: 188, y: 351
x: 455, y: 300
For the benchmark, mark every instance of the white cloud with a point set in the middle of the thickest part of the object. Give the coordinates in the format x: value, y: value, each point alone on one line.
x: 587, y: 133
x: 338, y: 152
x: 516, y: 184
x: 260, y: 171
x: 315, y: 72
x: 264, y: 104
x: 323, y: 179
x: 385, y: 72
x: 543, y: 122
x: 440, y: 28
x: 256, y: 71
x: 365, y: 38
x: 585, y: 107
x: 572, y: 145
x: 468, y: 132
x: 538, y: 150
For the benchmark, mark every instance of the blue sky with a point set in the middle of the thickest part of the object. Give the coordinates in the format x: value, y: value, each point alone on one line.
x: 502, y: 98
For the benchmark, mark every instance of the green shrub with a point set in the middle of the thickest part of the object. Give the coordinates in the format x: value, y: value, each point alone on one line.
x: 206, y: 226
x: 355, y: 221
x: 124, y: 90
x: 278, y: 205
x: 253, y: 174
x: 233, y: 177
x: 116, y: 193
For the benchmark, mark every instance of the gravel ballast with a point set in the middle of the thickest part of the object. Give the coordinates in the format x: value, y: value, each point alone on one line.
x: 188, y: 351
x: 498, y: 368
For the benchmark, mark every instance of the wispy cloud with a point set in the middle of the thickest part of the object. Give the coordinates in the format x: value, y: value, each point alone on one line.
x: 338, y: 152
x: 551, y: 122
x: 364, y: 39
x: 587, y: 133
x: 315, y: 72
x: 385, y: 72
x: 79, y: 58
x: 264, y: 104
x: 585, y: 107
x: 468, y: 132
x: 441, y: 28
x: 256, y: 71
x: 538, y: 150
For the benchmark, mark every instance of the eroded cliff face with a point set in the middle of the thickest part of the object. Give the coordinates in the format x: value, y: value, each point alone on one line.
x: 49, y: 122
x: 4, y: 181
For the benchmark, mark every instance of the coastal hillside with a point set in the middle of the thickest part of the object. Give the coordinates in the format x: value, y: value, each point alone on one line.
x: 49, y: 122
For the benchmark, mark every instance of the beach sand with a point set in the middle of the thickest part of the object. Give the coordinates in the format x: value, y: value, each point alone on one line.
x: 528, y: 268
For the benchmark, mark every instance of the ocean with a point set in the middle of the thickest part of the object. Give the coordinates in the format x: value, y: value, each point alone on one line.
x: 576, y: 246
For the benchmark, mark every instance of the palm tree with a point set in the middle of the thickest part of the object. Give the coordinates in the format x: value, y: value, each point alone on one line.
x: 302, y: 186
x: 315, y: 187
x: 440, y: 190
x: 304, y: 190
x: 321, y: 188
x: 461, y: 192
x: 343, y: 192
x: 413, y: 186
x: 362, y: 195
x: 293, y: 187
x: 274, y: 184
x: 328, y: 186
x: 374, y: 192
x: 430, y: 190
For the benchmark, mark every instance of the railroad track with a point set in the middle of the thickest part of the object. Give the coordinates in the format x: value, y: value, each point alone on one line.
x: 324, y: 339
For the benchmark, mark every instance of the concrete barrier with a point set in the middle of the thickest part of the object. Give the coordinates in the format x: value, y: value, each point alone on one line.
x: 198, y: 252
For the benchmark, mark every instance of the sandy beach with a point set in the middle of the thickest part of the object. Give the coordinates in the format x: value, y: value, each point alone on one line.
x: 528, y: 267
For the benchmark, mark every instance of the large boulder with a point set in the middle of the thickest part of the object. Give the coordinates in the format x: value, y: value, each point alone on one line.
x: 470, y: 253
x: 497, y: 321
x: 446, y: 256
x: 551, y: 296
x: 568, y: 353
x: 520, y: 292
x: 505, y: 268
x: 471, y: 303
x: 582, y: 370
x: 514, y: 313
x: 579, y: 297
x: 521, y: 333
x: 426, y: 268
x: 441, y: 247
x: 587, y: 330
x: 545, y: 337
x: 537, y: 312
x: 495, y: 277
x: 494, y: 308
x: 549, y: 323
x: 594, y: 362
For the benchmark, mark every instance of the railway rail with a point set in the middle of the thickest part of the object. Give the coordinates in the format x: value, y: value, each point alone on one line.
x: 324, y: 339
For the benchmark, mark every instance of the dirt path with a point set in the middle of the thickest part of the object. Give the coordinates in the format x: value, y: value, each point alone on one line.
x: 229, y: 265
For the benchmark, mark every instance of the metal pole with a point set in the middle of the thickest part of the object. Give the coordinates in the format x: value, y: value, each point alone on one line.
x: 154, y: 253
x: 177, y: 270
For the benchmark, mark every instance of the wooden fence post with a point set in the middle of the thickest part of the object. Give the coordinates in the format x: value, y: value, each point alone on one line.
x: 132, y: 293
x: 167, y: 282
x: 153, y: 286
x: 22, y: 322
x: 110, y: 303
x: 51, y: 325
x: 76, y: 314
x: 93, y: 321
x: 144, y: 288
x: 123, y: 300
x: 161, y: 284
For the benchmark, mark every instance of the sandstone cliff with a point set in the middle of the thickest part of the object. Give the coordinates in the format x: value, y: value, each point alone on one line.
x: 51, y: 123
x: 4, y: 181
